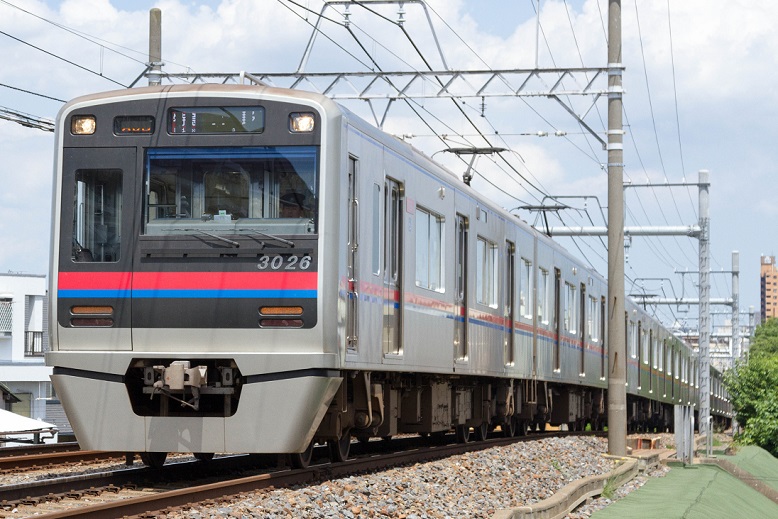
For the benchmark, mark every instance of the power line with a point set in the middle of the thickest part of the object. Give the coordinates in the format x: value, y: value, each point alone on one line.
x: 32, y: 93
x: 63, y: 59
x: 91, y: 39
x: 426, y: 62
x: 27, y: 120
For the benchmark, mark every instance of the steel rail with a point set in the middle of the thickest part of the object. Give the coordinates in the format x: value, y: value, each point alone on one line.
x: 41, y: 448
x: 54, y: 458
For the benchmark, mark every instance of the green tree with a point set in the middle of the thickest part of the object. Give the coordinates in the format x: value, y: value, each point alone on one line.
x: 762, y: 428
x: 753, y: 389
x: 765, y: 338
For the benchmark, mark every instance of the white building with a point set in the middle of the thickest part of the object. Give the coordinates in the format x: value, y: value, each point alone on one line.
x: 23, y: 340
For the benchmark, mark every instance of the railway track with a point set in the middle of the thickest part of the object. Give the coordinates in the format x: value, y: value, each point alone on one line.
x: 41, y: 448
x: 135, y: 492
x: 9, y: 463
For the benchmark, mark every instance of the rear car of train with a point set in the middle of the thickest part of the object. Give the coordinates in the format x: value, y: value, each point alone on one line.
x: 187, y: 272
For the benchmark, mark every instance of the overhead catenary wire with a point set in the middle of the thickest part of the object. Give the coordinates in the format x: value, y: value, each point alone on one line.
x: 49, y: 53
x: 92, y: 39
x: 456, y: 103
x: 32, y: 93
x: 413, y: 106
x: 656, y: 134
x: 675, y: 100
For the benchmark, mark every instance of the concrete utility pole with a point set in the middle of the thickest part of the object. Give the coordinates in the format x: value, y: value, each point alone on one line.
x: 704, y: 346
x: 735, y: 306
x: 617, y: 348
x: 155, y: 47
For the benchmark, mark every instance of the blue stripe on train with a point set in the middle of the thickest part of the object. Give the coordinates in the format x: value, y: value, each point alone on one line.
x: 189, y: 294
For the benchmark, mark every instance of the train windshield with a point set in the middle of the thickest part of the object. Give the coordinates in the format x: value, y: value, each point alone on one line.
x: 269, y: 189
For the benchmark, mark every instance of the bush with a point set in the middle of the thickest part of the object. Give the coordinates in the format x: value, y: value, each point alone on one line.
x: 753, y: 380
x: 762, y: 429
x: 753, y: 389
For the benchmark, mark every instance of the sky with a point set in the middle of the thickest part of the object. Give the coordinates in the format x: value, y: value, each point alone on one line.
x: 697, y: 96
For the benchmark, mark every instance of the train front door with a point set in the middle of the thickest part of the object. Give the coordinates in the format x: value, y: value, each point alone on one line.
x: 95, y: 259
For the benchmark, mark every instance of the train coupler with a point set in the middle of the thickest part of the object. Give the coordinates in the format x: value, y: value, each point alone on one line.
x: 177, y: 378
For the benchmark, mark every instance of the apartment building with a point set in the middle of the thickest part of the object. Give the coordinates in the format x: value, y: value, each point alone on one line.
x: 23, y: 341
x: 769, y: 288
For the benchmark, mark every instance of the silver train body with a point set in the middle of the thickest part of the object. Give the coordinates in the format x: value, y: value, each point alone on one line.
x: 191, y: 313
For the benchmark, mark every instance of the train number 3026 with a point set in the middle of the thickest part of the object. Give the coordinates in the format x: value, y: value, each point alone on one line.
x: 284, y: 263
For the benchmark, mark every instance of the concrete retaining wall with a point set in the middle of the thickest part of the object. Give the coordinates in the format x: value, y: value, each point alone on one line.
x: 572, y: 494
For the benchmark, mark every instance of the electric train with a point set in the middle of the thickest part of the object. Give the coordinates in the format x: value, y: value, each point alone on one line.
x: 240, y: 268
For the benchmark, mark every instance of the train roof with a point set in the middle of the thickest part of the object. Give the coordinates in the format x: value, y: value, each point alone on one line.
x: 205, y: 89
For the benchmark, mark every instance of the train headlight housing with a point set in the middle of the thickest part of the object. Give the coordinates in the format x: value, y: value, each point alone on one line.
x: 301, y: 122
x: 83, y: 125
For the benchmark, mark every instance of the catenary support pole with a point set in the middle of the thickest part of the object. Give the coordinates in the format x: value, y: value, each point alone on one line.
x: 735, y: 319
x: 735, y: 307
x: 704, y: 308
x: 617, y: 361
x: 155, y: 47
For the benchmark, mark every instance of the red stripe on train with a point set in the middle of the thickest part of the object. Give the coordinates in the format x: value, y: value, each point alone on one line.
x: 188, y: 280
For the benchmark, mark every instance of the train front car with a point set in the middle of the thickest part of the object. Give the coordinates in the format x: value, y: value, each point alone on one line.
x: 187, y: 273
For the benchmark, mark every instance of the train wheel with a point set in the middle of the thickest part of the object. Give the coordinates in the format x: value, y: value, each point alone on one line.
x: 481, y: 431
x: 153, y: 460
x: 301, y: 460
x: 463, y: 433
x: 522, y: 427
x: 339, y: 449
x: 203, y: 456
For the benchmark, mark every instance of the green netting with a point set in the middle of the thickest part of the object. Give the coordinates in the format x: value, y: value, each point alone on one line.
x: 757, y: 462
x: 698, y: 492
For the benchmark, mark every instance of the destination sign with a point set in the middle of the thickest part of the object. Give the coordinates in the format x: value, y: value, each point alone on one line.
x: 133, y: 125
x: 216, y: 120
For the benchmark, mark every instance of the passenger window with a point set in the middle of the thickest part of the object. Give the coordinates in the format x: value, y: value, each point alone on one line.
x: 429, y: 250
x: 543, y: 297
x: 486, y: 273
x: 97, y: 207
x: 571, y: 308
x: 525, y: 292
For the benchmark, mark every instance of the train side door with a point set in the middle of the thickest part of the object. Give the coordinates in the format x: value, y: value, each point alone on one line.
x: 557, y: 320
x: 582, y: 329
x: 509, y: 304
x: 460, y: 297
x: 352, y: 303
x: 392, y: 268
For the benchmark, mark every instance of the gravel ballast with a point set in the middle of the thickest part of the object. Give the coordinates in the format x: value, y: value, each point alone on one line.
x: 473, y: 485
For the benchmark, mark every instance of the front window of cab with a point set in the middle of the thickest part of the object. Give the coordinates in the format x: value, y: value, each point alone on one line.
x: 269, y: 189
x: 97, y: 211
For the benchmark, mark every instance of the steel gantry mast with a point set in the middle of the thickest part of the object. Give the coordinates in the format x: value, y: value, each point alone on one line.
x: 431, y: 84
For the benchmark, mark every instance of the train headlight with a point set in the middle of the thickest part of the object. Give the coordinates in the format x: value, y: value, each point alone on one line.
x: 301, y: 122
x: 83, y: 125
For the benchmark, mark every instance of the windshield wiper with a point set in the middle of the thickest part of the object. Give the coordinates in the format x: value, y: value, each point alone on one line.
x: 222, y: 238
x: 286, y: 242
